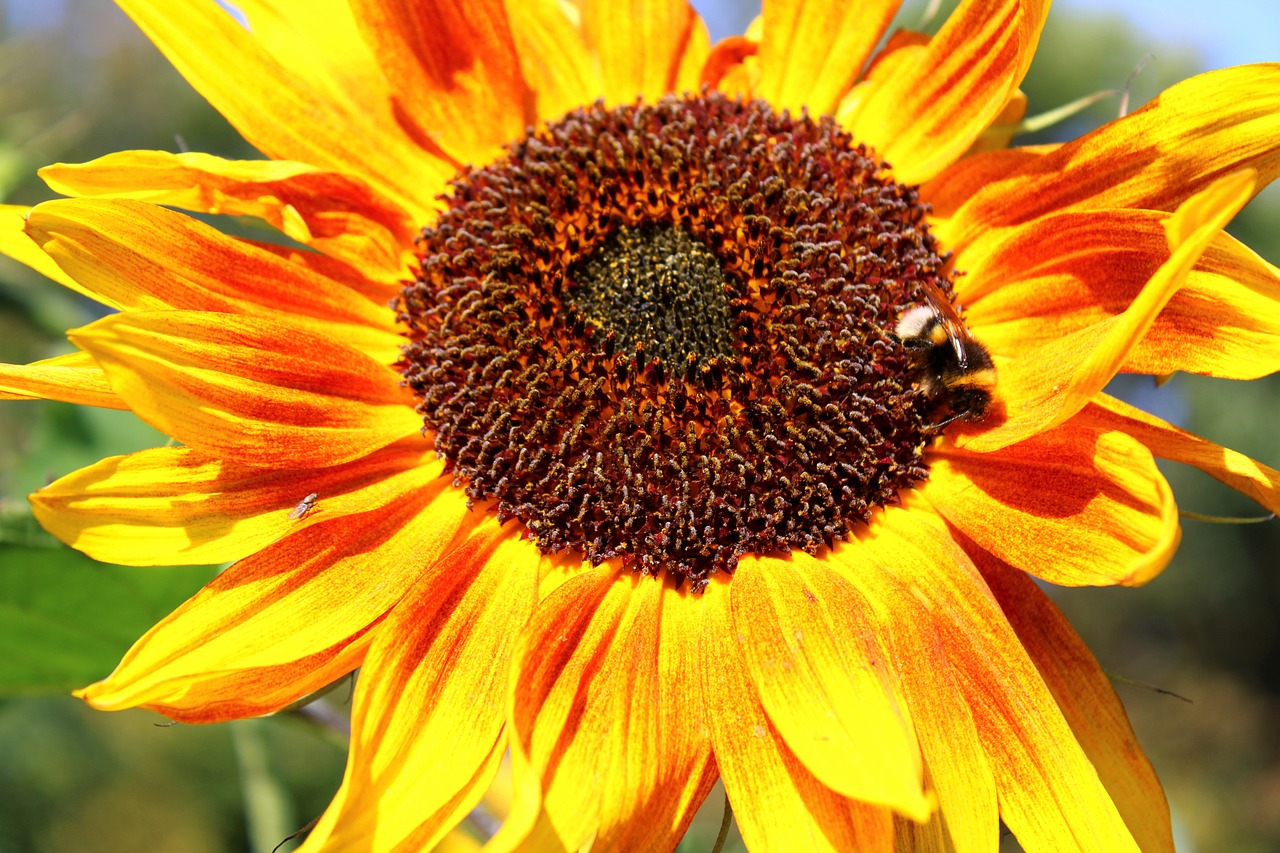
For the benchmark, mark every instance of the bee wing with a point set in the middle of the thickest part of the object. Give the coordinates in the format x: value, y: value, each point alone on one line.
x: 958, y: 334
x: 955, y: 328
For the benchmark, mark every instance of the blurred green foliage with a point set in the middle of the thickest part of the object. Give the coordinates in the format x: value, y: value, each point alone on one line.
x: 74, y: 779
x: 60, y: 635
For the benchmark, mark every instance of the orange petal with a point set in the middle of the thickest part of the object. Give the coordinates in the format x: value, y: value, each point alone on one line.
x: 288, y: 620
x: 1166, y: 441
x: 71, y: 378
x: 430, y: 710
x: 927, y: 114
x: 1076, y: 505
x: 956, y: 768
x: 1223, y: 322
x: 813, y: 50
x: 647, y: 48
x: 778, y: 803
x: 608, y: 737
x: 142, y: 256
x: 454, y: 71
x: 175, y: 506
x: 960, y: 181
x: 1178, y: 144
x: 1064, y: 272
x: 562, y: 70
x: 1087, y: 700
x: 337, y: 214
x: 303, y: 86
x: 250, y: 390
x: 1049, y: 793
x: 824, y: 681
x: 733, y: 67
x: 381, y: 290
x: 1045, y: 386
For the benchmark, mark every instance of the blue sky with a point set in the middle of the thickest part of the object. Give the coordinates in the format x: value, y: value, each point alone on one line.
x: 1228, y: 32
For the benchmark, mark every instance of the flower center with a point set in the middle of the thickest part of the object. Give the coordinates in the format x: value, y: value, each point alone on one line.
x: 663, y: 333
x: 659, y: 293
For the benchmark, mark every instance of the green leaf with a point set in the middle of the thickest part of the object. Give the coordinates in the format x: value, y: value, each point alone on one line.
x: 66, y: 620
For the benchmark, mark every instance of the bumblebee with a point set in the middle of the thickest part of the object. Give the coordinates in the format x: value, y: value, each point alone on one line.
x: 954, y: 366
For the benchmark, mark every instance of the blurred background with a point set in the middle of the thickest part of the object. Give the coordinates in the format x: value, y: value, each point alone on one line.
x: 77, y: 80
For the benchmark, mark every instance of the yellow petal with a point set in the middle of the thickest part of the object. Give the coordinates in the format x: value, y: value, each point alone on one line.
x: 17, y: 244
x: 813, y: 50
x: 1046, y: 386
x: 928, y: 113
x: 608, y: 739
x: 778, y: 804
x: 1049, y: 793
x: 255, y: 391
x: 1003, y: 128
x: 733, y: 68
x: 950, y: 190
x: 661, y: 749
x: 134, y: 255
x: 337, y: 214
x: 428, y: 728
x: 303, y: 86
x: 176, y: 506
x: 288, y: 620
x: 71, y: 378
x: 1223, y: 322
x: 562, y: 70
x: 956, y: 768
x: 1064, y: 272
x: 1166, y: 441
x: 1178, y: 144
x: 1076, y: 505
x: 647, y: 48
x: 824, y: 680
x: 902, y: 49
x: 1087, y: 700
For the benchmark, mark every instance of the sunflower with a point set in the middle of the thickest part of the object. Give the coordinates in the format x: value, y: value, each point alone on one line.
x: 576, y: 416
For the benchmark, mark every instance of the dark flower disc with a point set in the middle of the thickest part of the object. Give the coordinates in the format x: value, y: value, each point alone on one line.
x: 661, y: 333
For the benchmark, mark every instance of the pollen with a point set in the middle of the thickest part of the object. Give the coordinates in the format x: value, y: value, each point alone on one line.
x: 656, y: 290
x: 662, y: 333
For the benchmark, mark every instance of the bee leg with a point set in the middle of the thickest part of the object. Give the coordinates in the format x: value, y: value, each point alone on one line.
x: 945, y: 422
x: 934, y: 429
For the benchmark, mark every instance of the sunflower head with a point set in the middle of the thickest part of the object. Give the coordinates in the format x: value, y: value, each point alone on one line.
x: 677, y: 318
x: 661, y: 332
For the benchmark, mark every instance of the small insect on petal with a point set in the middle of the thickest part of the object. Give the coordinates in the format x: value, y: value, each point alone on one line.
x: 304, y: 506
